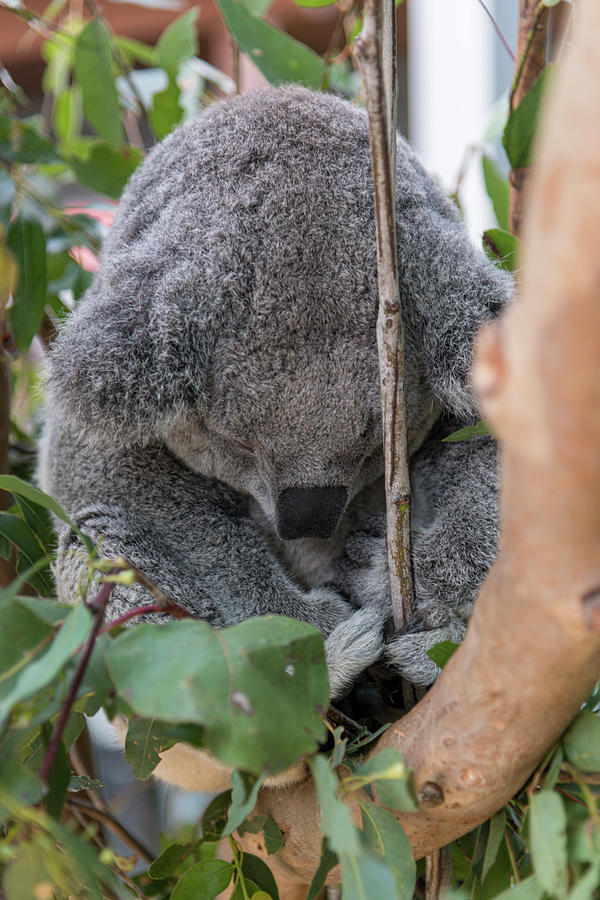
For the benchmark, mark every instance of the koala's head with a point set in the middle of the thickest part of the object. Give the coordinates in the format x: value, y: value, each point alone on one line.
x: 233, y: 316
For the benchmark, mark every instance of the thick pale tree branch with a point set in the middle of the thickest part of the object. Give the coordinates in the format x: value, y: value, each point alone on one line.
x: 532, y: 652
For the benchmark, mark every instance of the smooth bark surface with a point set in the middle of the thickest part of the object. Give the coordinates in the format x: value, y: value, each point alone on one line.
x: 532, y: 653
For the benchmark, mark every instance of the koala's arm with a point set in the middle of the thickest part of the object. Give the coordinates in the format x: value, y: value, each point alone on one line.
x: 192, y: 536
x: 454, y: 535
x: 448, y: 287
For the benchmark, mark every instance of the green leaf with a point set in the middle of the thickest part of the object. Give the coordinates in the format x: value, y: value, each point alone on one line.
x: 313, y: 4
x: 503, y: 248
x: 7, y: 196
x: 585, y: 889
x: 177, y: 43
x: 135, y: 51
x: 26, y: 873
x: 551, y: 2
x: 245, y: 788
x: 44, y: 669
x: 441, y: 653
x: 527, y: 889
x: 18, y: 487
x: 497, y: 190
x: 522, y: 122
x: 31, y: 557
x: 390, y: 777
x: 582, y: 741
x: 258, y: 871
x: 166, y: 111
x: 259, y: 7
x: 326, y: 863
x: 17, y: 784
x: 386, y: 837
x: 336, y: 821
x: 170, y: 859
x: 83, y: 783
x: 466, y: 433
x: 67, y: 115
x: 38, y: 520
x: 267, y: 678
x: 26, y: 240
x: 58, y: 782
x: 20, y: 142
x: 280, y: 58
x: 548, y: 842
x: 214, y: 817
x: 366, y: 877
x: 142, y: 747
x: 272, y: 834
x: 107, y: 170
x: 93, y: 67
x: 205, y: 879
x: 496, y: 833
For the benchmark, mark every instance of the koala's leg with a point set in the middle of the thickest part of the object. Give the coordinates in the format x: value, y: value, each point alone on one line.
x: 194, y: 538
x: 454, y: 534
x: 455, y: 531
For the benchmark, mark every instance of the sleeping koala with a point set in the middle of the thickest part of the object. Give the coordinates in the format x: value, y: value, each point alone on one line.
x: 214, y: 398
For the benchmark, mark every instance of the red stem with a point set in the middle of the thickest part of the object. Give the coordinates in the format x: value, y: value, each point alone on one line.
x: 99, y: 604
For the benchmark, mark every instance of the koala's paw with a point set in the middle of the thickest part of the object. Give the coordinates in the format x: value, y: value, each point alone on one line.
x: 362, y: 569
x: 406, y: 654
x: 354, y: 645
x: 327, y: 609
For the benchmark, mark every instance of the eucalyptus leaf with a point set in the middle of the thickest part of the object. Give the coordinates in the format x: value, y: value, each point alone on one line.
x: 26, y: 240
x: 204, y: 879
x: 497, y: 190
x: 390, y: 778
x: 441, y: 653
x: 20, y: 142
x: 280, y: 58
x: 366, y: 877
x: 105, y: 169
x: 336, y: 821
x: 548, y: 842
x: 503, y: 248
x: 496, y: 833
x: 166, y: 111
x: 327, y: 861
x: 93, y: 67
x: 177, y: 42
x: 245, y: 788
x: 258, y: 871
x: 467, y: 432
x: 386, y: 837
x: 522, y: 122
x: 170, y: 859
x: 582, y: 741
x: 527, y: 889
x: 245, y: 684
x: 45, y: 667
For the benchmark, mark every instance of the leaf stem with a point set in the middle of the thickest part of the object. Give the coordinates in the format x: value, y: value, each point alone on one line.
x: 99, y: 604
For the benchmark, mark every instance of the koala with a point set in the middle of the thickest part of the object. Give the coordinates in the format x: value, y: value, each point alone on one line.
x: 214, y: 410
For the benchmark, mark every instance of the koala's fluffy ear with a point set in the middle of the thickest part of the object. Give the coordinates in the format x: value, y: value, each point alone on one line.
x: 135, y: 352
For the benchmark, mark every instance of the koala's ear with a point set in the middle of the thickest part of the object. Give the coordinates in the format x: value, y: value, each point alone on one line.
x: 135, y: 352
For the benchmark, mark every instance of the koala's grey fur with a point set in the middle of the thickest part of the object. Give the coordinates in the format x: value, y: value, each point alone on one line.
x: 218, y: 384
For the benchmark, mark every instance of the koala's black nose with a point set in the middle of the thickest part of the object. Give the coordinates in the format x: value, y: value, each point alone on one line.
x: 309, y: 512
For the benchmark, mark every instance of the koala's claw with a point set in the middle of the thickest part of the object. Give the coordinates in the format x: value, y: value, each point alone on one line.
x: 406, y: 654
x: 352, y: 646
